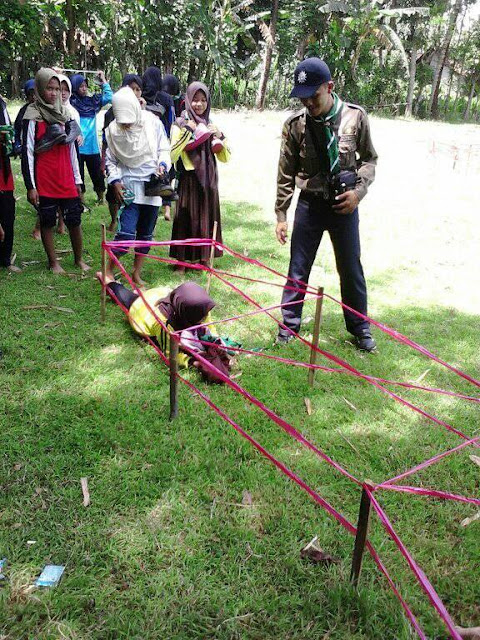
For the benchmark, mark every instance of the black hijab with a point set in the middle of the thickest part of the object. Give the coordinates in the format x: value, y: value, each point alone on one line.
x: 152, y: 84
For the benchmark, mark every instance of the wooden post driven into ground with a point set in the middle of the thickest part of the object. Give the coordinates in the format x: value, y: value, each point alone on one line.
x: 212, y: 254
x: 104, y: 273
x: 316, y: 334
x: 361, y: 537
x: 173, y: 356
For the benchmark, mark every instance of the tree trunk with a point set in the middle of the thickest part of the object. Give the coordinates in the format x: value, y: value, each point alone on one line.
x: 15, y: 76
x: 70, y: 12
x: 267, y: 61
x: 411, y: 81
x: 443, y: 53
x: 466, y: 115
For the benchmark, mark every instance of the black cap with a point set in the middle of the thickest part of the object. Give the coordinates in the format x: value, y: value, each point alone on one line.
x: 309, y: 75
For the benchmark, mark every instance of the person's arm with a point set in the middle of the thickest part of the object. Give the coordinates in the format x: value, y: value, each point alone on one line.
x: 368, y: 158
x: 179, y: 140
x: 163, y: 147
x: 225, y: 153
x: 107, y: 92
x: 114, y: 175
x: 28, y: 161
x: 2, y: 234
x: 76, y: 167
x: 18, y: 130
x: 287, y: 169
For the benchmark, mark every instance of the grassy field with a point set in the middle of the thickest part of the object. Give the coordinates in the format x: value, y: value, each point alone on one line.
x: 190, y: 533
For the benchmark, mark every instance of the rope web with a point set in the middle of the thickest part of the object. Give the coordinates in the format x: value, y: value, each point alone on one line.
x: 232, y: 282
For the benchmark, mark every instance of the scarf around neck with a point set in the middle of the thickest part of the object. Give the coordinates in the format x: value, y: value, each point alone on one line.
x: 39, y: 109
x: 332, y: 143
x: 137, y: 144
x: 186, y: 306
x: 202, y: 157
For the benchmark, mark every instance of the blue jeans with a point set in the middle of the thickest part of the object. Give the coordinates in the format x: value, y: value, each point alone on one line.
x: 313, y: 216
x: 136, y: 222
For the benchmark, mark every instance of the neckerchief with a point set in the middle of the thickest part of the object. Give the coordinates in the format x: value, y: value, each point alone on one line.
x: 332, y: 142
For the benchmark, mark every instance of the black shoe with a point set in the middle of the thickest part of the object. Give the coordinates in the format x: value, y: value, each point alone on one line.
x: 73, y: 131
x: 364, y: 341
x: 54, y: 135
x: 283, y: 338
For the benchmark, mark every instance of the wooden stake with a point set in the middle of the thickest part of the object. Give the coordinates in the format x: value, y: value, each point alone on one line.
x: 361, y: 537
x: 316, y: 334
x: 212, y: 254
x: 173, y: 377
x: 104, y: 275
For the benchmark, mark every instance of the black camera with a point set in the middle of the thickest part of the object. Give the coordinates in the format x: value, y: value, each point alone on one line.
x: 340, y: 183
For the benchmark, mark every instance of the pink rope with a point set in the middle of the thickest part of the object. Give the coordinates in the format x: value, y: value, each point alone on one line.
x: 418, y: 572
x: 401, y: 338
x: 421, y: 577
x: 428, y: 492
x: 287, y: 427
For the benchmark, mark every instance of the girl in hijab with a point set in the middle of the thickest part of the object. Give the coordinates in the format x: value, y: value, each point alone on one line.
x: 171, y: 85
x: 186, y: 306
x: 7, y: 199
x: 158, y: 101
x: 50, y: 166
x: 88, y: 107
x: 194, y: 155
x: 138, y: 150
x: 133, y: 81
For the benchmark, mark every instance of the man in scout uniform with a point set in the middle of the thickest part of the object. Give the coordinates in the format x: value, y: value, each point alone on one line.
x: 328, y: 154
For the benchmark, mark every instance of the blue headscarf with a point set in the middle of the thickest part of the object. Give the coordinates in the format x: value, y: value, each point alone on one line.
x: 29, y: 85
x: 87, y: 106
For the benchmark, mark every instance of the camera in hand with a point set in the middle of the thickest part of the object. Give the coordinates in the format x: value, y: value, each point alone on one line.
x: 340, y: 183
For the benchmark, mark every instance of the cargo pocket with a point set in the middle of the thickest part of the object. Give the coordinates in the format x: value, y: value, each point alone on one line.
x: 347, y: 146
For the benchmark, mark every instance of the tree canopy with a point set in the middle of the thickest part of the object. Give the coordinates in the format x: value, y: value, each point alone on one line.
x: 400, y: 56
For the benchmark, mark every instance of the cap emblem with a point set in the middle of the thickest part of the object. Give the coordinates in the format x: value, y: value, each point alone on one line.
x: 302, y: 77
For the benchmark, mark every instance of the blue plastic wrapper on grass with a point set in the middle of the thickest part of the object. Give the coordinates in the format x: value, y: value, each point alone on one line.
x: 50, y: 576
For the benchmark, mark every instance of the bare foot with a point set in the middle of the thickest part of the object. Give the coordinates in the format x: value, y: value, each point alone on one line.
x: 112, y: 227
x: 14, y: 269
x: 56, y: 268
x: 36, y: 235
x: 108, y: 277
x: 83, y: 265
x: 166, y: 214
x: 137, y: 279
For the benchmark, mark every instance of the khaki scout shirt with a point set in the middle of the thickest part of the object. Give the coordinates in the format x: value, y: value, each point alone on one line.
x: 299, y: 164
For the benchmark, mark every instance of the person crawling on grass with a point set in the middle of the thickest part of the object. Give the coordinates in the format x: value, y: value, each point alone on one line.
x: 188, y: 305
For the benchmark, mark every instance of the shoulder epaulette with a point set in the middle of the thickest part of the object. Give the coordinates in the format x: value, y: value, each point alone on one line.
x: 356, y: 106
x: 295, y: 116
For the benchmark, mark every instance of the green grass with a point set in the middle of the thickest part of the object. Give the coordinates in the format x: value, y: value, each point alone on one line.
x: 167, y: 549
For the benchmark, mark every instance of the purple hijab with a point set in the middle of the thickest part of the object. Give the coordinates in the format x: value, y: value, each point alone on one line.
x: 202, y: 157
x: 186, y: 306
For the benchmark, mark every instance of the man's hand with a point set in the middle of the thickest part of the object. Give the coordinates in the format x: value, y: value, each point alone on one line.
x: 79, y: 190
x: 118, y: 189
x: 33, y: 198
x: 346, y: 202
x: 2, y: 234
x: 281, y: 232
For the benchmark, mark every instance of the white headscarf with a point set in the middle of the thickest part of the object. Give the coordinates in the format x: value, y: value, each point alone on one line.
x: 137, y: 144
x: 72, y: 112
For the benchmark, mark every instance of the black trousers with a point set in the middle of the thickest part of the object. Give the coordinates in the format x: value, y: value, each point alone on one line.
x: 312, y: 218
x: 7, y: 220
x: 94, y: 166
x: 125, y: 296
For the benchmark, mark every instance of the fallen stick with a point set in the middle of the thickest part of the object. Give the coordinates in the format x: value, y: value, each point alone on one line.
x: 85, y: 491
